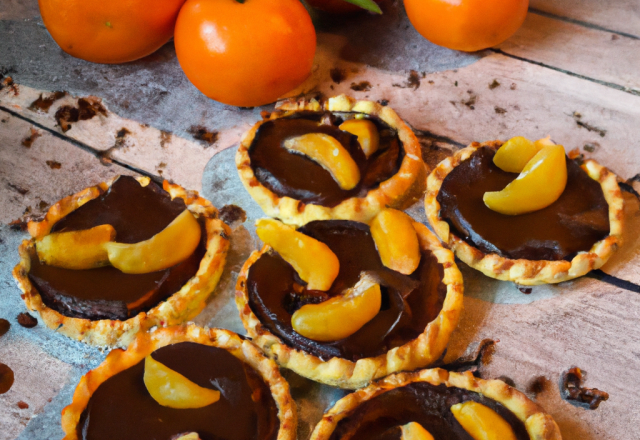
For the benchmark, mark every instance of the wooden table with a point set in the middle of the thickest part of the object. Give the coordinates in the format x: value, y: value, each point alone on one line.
x: 571, y: 71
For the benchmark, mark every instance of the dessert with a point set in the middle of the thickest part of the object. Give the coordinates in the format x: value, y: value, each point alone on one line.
x: 345, y: 159
x: 118, y: 400
x: 437, y: 404
x: 372, y: 321
x: 574, y: 234
x: 121, y: 257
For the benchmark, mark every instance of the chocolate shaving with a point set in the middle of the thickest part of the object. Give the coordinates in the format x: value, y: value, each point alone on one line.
x: 4, y: 326
x: 476, y: 357
x: 232, y: 215
x: 6, y: 378
x: 26, y: 320
x: 571, y: 389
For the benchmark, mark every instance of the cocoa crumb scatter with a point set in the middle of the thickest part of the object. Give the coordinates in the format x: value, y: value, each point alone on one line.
x: 494, y: 84
x: 362, y: 86
x: 28, y: 141
x: 337, y: 75
x: 571, y: 389
x: 4, y: 326
x: 26, y: 320
x: 231, y: 214
x: 23, y: 405
x: 203, y: 134
x: 537, y: 385
x: 384, y: 102
x: 54, y: 164
x: 6, y: 378
x: 43, y: 104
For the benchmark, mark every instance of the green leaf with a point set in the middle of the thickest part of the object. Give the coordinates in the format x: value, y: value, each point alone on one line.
x: 369, y: 5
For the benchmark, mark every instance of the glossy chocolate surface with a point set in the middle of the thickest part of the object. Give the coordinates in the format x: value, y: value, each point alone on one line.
x: 137, y: 214
x: 577, y: 220
x: 121, y: 408
x: 293, y: 175
x: 409, y: 303
x: 379, y: 418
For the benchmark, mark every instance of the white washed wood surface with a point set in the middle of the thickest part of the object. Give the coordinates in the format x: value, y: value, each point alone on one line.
x: 585, y: 322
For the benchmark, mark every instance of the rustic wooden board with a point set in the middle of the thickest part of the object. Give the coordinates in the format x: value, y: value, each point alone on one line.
x: 619, y: 15
x: 589, y: 52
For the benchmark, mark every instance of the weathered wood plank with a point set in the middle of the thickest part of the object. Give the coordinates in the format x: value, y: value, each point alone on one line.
x: 37, y: 169
x: 591, y: 325
x: 617, y: 15
x: 589, y: 52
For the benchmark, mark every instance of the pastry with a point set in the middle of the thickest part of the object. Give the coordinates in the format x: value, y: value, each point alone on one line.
x: 380, y: 162
x: 447, y: 405
x: 408, y: 328
x: 120, y: 400
x: 575, y: 234
x: 78, y: 291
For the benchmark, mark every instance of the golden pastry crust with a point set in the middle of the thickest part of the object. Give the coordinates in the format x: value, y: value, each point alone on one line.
x: 527, y: 272
x: 540, y: 425
x: 400, y: 191
x: 145, y: 343
x: 343, y: 373
x: 179, y: 307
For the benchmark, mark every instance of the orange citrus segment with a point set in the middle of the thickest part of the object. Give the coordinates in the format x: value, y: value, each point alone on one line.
x: 76, y: 249
x: 313, y: 260
x: 415, y: 431
x: 481, y: 422
x: 396, y: 240
x: 540, y: 183
x: 340, y: 316
x: 172, y: 389
x: 514, y: 154
x: 328, y: 153
x: 165, y: 249
x: 367, y: 133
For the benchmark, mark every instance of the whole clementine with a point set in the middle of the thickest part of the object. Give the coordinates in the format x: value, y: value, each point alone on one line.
x: 110, y: 31
x: 467, y: 25
x: 245, y: 53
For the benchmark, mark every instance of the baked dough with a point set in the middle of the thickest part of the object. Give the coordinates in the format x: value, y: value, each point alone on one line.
x: 179, y: 307
x: 522, y: 271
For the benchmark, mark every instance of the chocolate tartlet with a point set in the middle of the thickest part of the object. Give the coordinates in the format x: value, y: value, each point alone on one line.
x: 425, y: 397
x: 104, y: 306
x: 411, y: 330
x: 575, y: 234
x: 298, y: 190
x: 112, y: 401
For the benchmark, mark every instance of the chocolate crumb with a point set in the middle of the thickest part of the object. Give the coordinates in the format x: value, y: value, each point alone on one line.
x: 203, y: 134
x: 494, y: 84
x: 590, y: 147
x: 525, y: 290
x: 362, y: 86
x: 165, y: 137
x: 87, y: 109
x: 26, y: 320
x: 571, y: 390
x: 474, y: 359
x: 4, y: 326
x: 28, y: 141
x: 6, y: 378
x: 231, y: 214
x: 43, y: 104
x: 42, y: 205
x: 337, y: 75
x: 18, y: 225
x: 537, y: 385
x: 383, y: 102
x: 18, y: 188
x: 513, y: 86
x: 23, y: 405
x: 54, y: 165
x: 500, y: 110
x: 65, y: 116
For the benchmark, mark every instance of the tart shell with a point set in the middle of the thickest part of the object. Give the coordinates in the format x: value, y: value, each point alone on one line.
x: 399, y: 191
x: 539, y: 425
x: 527, y: 272
x: 343, y: 373
x: 145, y: 343
x: 179, y: 307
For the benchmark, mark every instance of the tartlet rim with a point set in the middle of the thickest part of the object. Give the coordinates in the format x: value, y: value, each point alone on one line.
x: 181, y: 306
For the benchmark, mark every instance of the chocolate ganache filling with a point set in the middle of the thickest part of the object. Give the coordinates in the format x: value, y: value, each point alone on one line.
x: 573, y: 223
x: 380, y: 417
x: 122, y: 408
x: 137, y: 213
x: 293, y: 175
x: 409, y: 303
